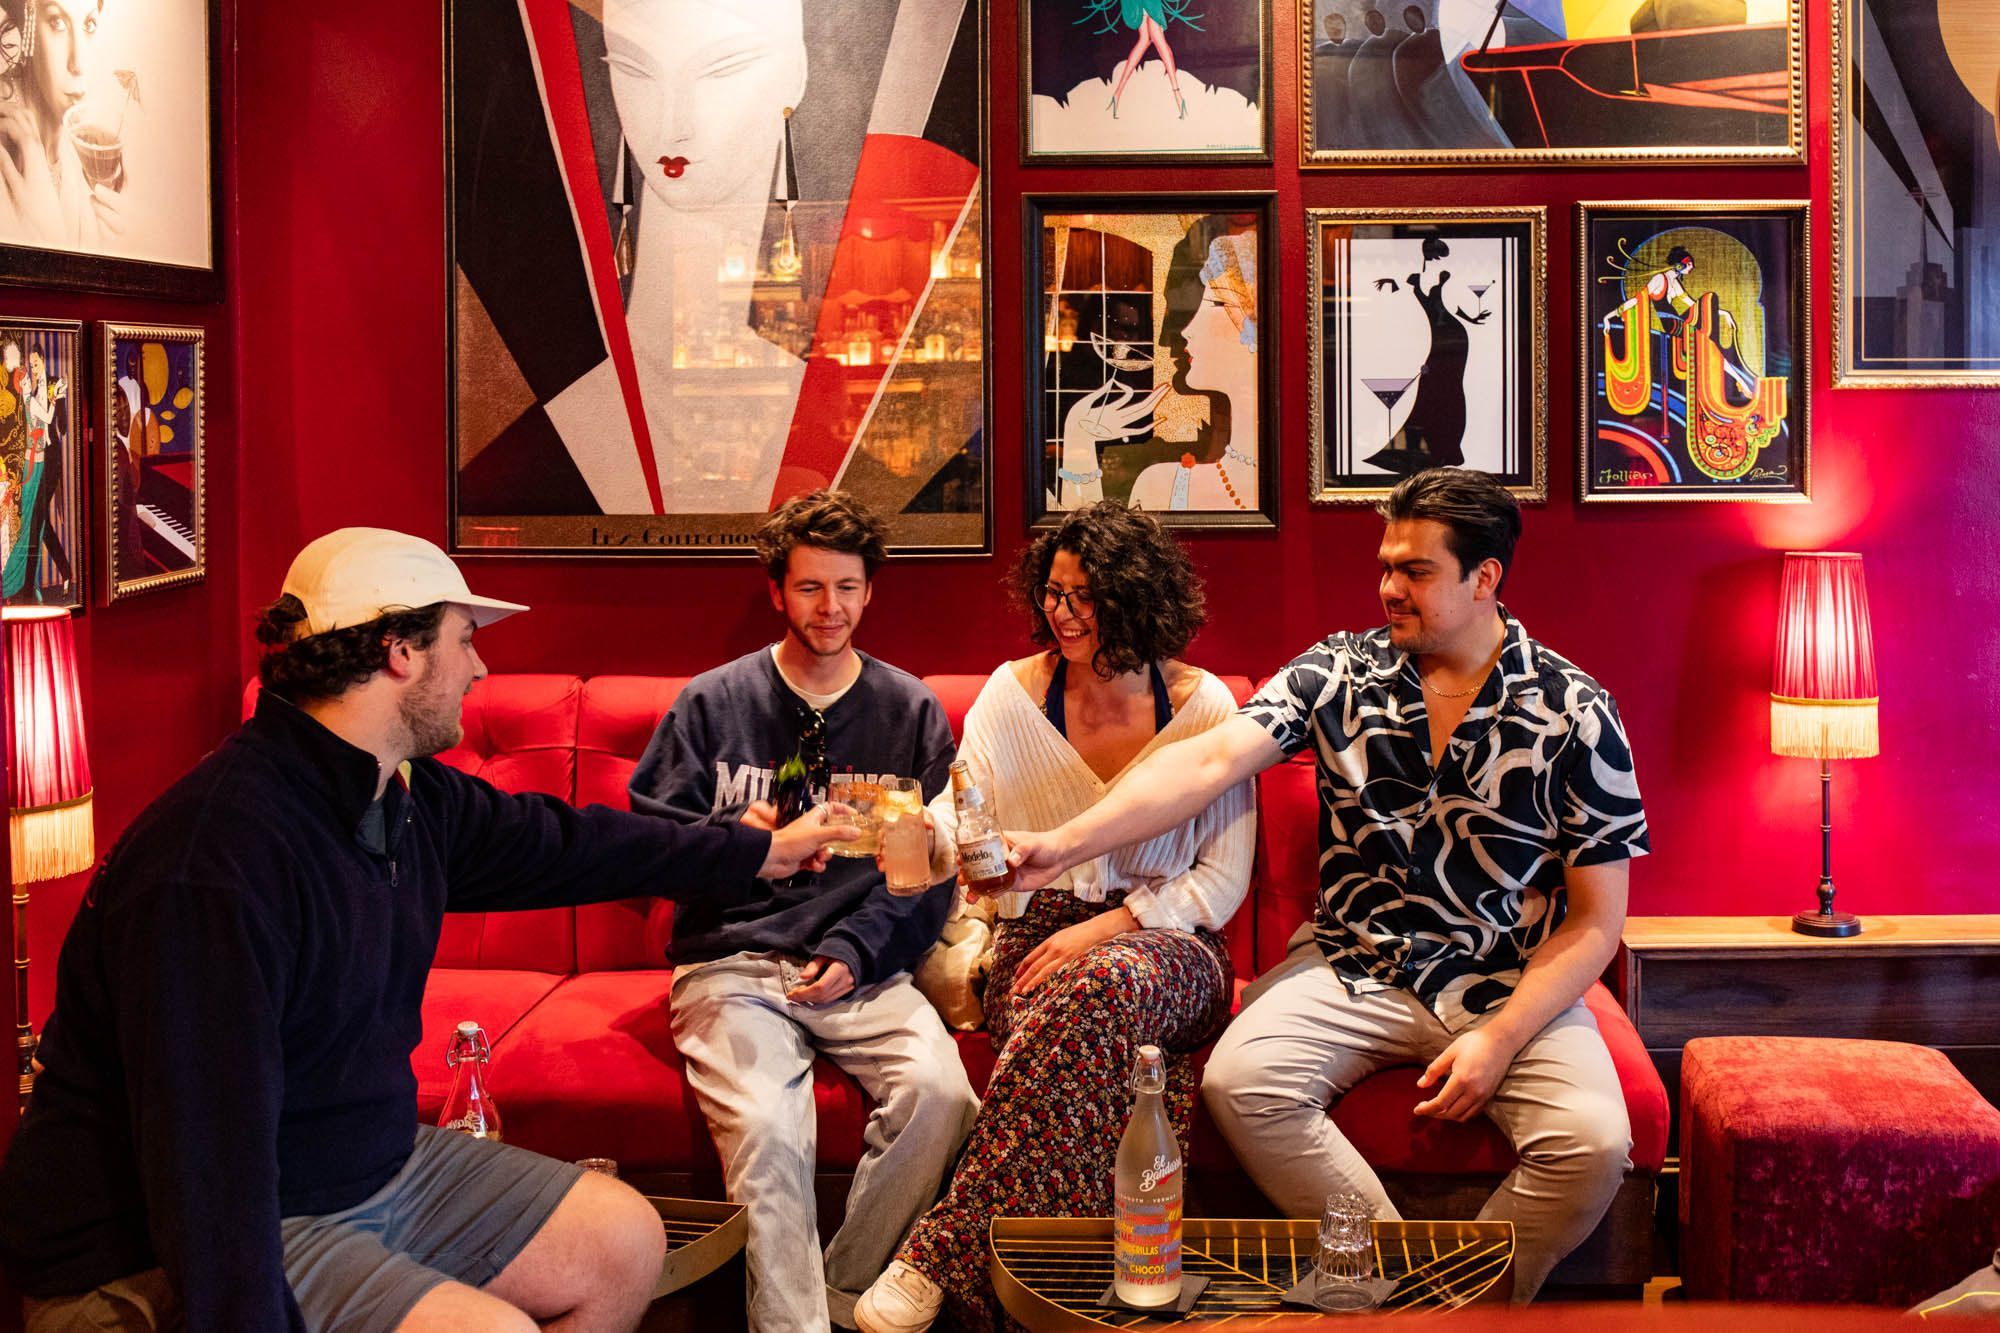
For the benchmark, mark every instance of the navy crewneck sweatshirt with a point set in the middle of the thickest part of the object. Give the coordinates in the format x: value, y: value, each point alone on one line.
x: 719, y: 748
x: 239, y: 995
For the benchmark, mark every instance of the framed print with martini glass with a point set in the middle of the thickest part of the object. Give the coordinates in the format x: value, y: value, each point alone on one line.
x: 107, y: 173
x: 1151, y: 378
x: 1428, y: 347
x: 1696, y: 333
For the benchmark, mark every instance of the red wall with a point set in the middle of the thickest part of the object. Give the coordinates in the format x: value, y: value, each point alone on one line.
x: 155, y: 668
x: 342, y: 347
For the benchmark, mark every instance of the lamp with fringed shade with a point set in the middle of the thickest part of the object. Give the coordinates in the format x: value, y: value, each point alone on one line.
x: 1823, y: 693
x: 49, y: 824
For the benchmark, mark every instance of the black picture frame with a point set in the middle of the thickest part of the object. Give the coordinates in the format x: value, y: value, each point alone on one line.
x: 37, y: 266
x: 1140, y: 265
x: 1057, y: 43
x: 1740, y: 363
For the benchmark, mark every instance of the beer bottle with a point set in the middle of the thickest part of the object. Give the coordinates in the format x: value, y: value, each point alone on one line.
x: 469, y: 1108
x: 1146, y: 1246
x: 791, y: 791
x: 982, y: 852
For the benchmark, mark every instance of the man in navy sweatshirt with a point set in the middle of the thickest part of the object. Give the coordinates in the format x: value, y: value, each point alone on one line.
x: 769, y: 975
x: 224, y: 1132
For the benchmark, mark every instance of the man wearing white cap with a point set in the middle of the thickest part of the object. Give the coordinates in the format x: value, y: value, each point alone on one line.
x: 224, y: 1134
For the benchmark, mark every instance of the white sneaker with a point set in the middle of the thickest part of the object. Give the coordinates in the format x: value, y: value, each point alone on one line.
x: 901, y: 1301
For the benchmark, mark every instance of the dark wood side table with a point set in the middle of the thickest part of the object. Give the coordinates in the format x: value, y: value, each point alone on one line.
x: 1928, y: 980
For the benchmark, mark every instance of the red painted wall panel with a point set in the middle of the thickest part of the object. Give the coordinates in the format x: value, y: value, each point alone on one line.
x: 341, y: 349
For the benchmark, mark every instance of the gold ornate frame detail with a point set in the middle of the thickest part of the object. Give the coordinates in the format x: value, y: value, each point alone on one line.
x: 1320, y: 490
x: 110, y: 334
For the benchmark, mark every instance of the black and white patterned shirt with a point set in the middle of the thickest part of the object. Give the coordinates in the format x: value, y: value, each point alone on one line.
x: 1445, y: 883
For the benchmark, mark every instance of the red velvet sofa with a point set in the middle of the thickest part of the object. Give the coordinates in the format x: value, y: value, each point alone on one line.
x: 584, y: 1065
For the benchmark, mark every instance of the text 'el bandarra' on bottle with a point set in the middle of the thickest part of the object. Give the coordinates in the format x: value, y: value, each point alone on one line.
x: 1146, y: 1244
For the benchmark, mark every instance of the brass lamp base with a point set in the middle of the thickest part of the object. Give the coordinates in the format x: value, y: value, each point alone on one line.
x: 1827, y: 925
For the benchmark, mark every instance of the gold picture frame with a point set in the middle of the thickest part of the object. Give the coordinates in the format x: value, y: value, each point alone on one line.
x: 1433, y: 346
x: 1413, y: 94
x: 1923, y: 75
x: 152, y: 385
x: 1700, y: 249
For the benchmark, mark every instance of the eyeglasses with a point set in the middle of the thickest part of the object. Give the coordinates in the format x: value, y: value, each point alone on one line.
x: 1078, y: 600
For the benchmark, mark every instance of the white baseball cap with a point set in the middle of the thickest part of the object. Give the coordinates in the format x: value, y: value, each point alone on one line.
x: 354, y: 575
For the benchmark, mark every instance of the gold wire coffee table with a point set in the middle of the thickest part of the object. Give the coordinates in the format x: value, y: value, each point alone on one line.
x: 702, y: 1235
x: 1050, y: 1272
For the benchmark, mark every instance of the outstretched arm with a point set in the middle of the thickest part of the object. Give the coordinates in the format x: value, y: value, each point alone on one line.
x: 1169, y: 787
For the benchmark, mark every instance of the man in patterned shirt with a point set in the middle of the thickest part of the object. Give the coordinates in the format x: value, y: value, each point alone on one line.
x: 1477, y: 813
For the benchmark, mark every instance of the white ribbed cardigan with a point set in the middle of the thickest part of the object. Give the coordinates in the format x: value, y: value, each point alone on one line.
x: 1194, y: 875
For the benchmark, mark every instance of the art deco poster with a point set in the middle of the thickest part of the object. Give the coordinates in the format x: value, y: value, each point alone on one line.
x: 1696, y: 339
x: 43, y: 539
x: 1428, y: 347
x: 1488, y: 81
x: 706, y: 256
x: 1916, y: 267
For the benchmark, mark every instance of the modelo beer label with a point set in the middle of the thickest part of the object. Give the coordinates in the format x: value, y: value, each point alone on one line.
x: 985, y: 860
x: 1148, y: 1251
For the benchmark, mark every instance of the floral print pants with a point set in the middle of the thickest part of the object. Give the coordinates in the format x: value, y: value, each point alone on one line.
x: 1046, y: 1139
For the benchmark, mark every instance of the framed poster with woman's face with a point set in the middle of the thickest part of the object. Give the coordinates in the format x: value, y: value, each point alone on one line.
x: 43, y: 535
x: 1152, y: 379
x: 1428, y: 347
x: 1145, y: 81
x: 708, y: 255
x: 107, y: 117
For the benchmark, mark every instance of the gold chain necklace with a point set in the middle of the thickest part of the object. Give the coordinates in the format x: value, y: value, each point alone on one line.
x: 1476, y: 685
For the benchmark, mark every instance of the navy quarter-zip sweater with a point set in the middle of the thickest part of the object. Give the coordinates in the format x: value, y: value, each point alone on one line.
x: 239, y: 995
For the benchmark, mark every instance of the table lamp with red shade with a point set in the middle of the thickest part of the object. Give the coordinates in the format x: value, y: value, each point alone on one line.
x: 49, y: 825
x: 1823, y: 694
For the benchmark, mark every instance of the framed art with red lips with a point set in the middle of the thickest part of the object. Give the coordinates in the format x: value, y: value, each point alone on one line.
x: 1151, y: 375
x: 706, y: 255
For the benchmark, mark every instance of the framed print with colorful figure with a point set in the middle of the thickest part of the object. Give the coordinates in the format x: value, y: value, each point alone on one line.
x: 1696, y: 348
x: 1151, y: 375
x: 43, y: 534
x: 1145, y: 80
x: 1514, y: 82
x: 1916, y: 203
x: 706, y: 257
x: 1428, y: 347
x: 154, y: 419
x: 107, y: 120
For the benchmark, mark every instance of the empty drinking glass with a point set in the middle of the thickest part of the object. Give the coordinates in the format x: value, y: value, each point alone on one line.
x: 603, y: 1166
x: 1345, y: 1259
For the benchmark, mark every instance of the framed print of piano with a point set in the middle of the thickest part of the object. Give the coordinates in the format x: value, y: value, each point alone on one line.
x: 154, y: 418
x: 43, y: 534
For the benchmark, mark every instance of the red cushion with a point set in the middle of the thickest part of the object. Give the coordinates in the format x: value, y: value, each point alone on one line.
x: 956, y: 693
x: 1287, y: 885
x: 1377, y: 1116
x: 1832, y: 1170
x: 493, y: 998
x: 615, y: 723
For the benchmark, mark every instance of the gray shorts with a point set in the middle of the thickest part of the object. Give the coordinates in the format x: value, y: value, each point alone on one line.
x: 459, y: 1211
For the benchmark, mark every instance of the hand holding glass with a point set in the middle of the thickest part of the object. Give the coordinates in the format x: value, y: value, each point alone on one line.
x: 863, y: 797
x: 1345, y: 1259
x: 906, y: 851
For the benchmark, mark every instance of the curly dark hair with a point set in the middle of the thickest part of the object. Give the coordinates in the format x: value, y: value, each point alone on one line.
x: 301, y: 667
x: 1150, y: 602
x: 830, y: 520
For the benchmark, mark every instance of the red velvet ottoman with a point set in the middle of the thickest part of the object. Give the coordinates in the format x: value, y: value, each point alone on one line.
x: 1832, y: 1170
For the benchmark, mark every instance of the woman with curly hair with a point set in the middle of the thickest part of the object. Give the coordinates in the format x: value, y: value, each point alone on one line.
x: 1122, y: 952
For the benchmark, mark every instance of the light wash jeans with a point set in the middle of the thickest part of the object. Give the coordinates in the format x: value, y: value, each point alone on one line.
x: 749, y: 1054
x: 1302, y: 1040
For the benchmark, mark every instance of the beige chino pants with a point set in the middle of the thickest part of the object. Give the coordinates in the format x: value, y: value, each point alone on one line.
x: 1302, y: 1040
